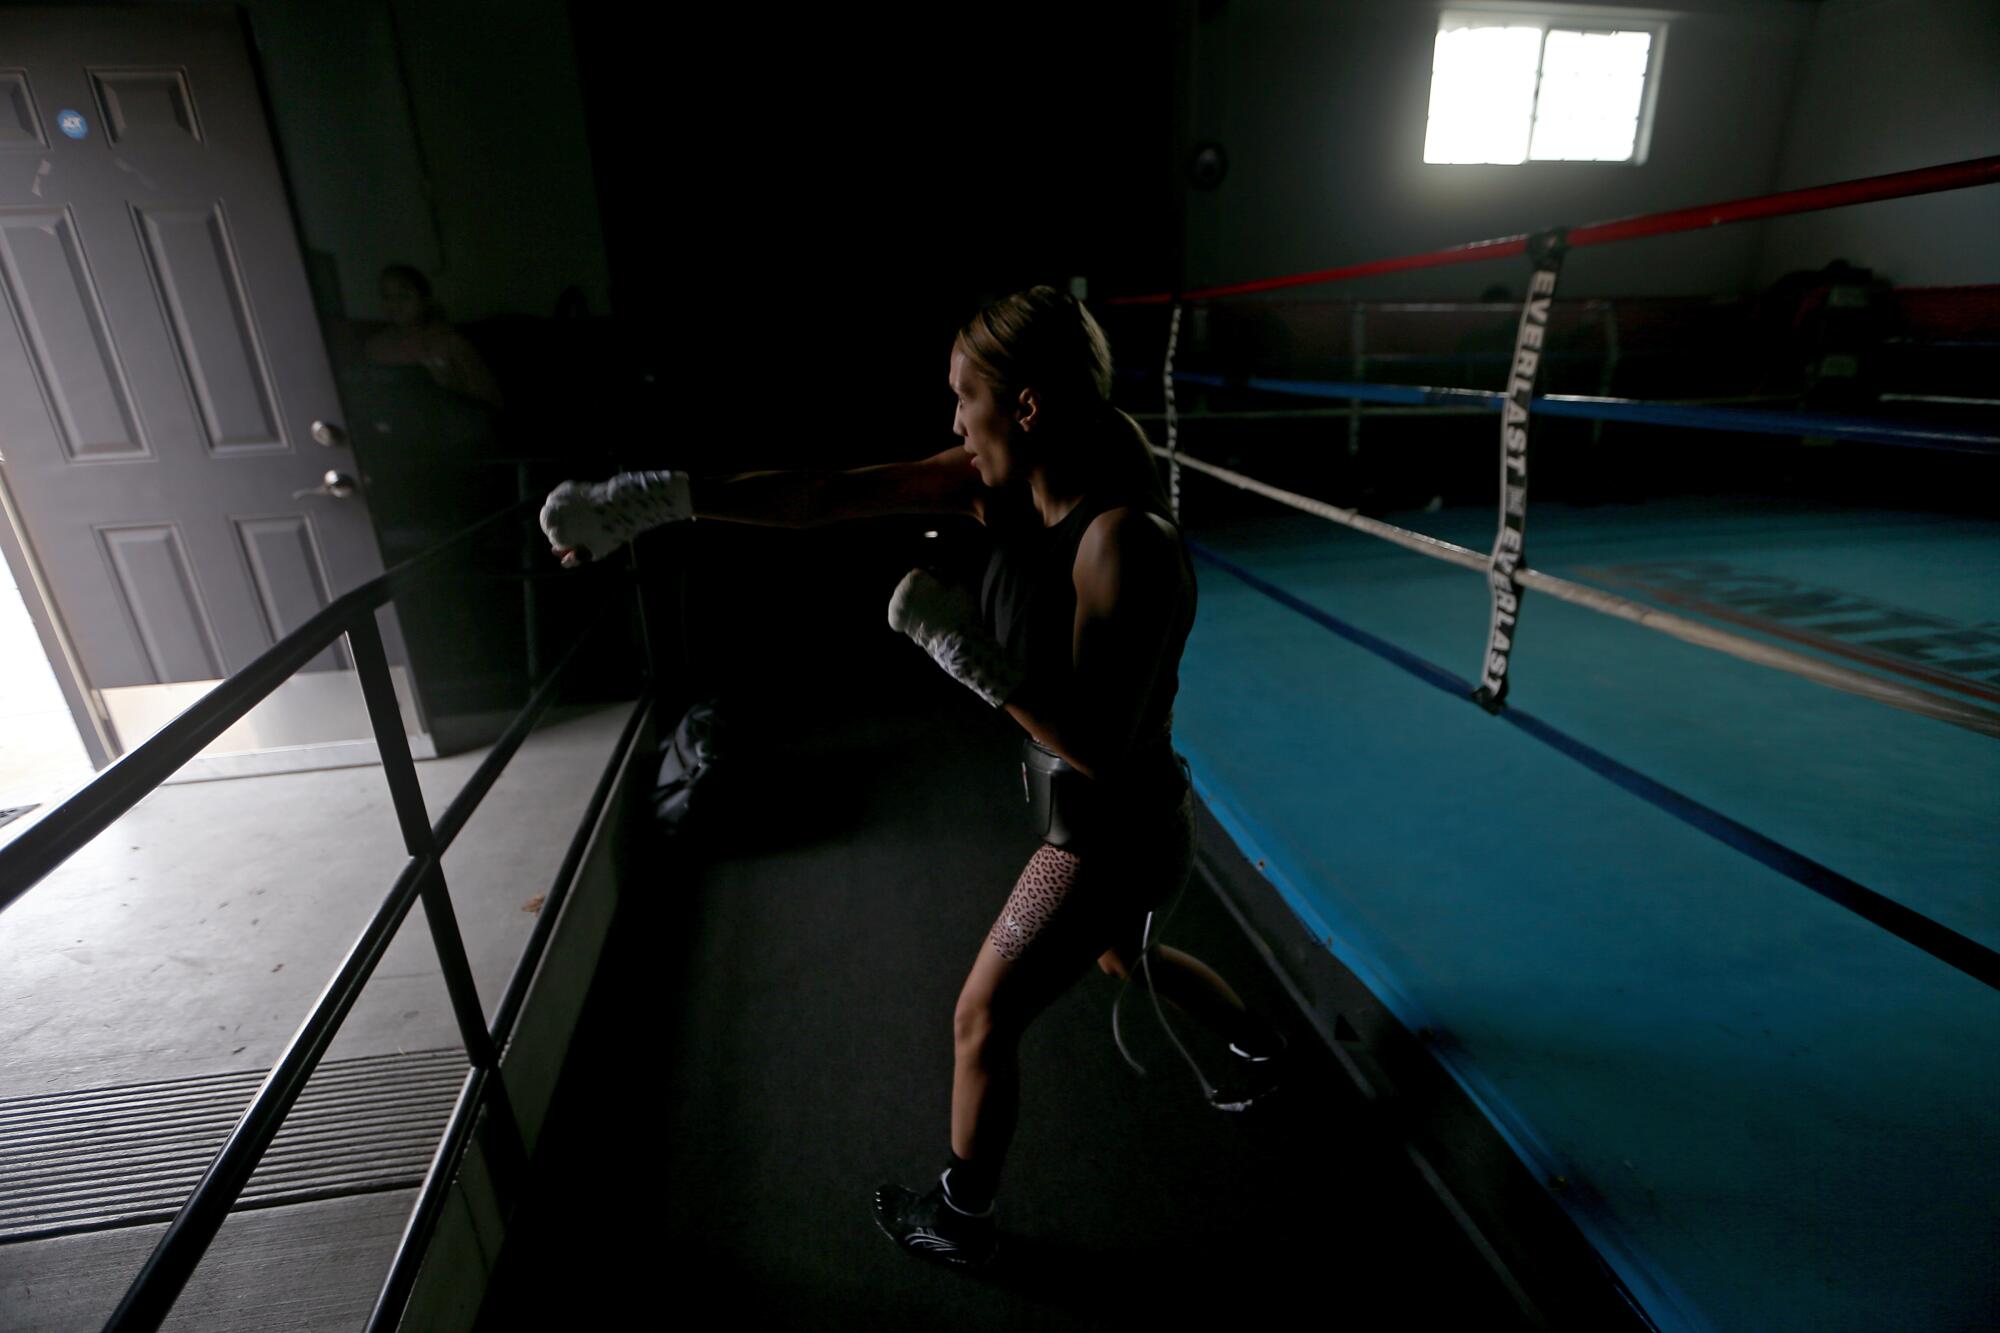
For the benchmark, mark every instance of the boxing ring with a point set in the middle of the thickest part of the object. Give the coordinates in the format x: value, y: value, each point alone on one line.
x: 1699, y: 908
x: 1696, y: 913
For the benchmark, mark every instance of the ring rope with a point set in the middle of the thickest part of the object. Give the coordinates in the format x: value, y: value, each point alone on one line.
x: 1896, y: 185
x: 1922, y: 702
x: 1748, y: 420
x: 1342, y: 413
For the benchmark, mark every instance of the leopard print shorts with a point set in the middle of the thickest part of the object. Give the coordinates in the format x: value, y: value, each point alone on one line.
x: 1105, y: 894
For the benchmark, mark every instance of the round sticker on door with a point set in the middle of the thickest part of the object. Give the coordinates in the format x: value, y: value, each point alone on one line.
x: 73, y: 124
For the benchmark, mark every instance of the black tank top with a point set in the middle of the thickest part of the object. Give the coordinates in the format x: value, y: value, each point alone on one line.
x: 1028, y: 600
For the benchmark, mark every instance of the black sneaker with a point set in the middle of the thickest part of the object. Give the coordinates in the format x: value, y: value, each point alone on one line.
x: 928, y: 1225
x: 1249, y: 1078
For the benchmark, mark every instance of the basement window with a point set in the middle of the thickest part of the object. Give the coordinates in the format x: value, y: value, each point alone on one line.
x: 1514, y: 86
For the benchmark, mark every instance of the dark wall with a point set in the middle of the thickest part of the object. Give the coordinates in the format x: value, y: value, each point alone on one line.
x: 1323, y: 109
x: 801, y: 206
x: 1888, y: 85
x: 442, y: 133
x: 804, y: 231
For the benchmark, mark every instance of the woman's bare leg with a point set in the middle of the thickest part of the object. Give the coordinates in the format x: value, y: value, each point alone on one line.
x: 985, y: 1085
x: 1040, y: 946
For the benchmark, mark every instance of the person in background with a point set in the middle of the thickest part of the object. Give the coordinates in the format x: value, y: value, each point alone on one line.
x: 419, y: 335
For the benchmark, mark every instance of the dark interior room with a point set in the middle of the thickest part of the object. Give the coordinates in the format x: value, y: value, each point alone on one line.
x: 1024, y: 666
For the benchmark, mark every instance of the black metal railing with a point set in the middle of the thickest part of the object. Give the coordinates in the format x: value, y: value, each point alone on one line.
x: 66, y: 829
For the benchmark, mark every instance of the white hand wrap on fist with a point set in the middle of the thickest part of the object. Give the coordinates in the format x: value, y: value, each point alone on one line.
x: 593, y: 519
x: 944, y: 620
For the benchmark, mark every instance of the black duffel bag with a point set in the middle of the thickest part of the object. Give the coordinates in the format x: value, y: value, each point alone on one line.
x: 686, y: 794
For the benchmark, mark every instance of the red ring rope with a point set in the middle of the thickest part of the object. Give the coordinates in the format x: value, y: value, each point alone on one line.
x: 1896, y: 185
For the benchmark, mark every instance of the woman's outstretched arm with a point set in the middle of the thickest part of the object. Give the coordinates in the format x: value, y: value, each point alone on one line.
x: 944, y: 483
x: 591, y: 520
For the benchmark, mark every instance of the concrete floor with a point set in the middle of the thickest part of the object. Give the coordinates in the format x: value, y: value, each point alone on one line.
x: 194, y: 935
x: 310, y: 1266
x: 149, y: 982
x: 771, y: 1040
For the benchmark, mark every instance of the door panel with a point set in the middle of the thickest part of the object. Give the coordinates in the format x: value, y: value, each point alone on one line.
x: 156, y: 588
x: 213, y: 332
x: 61, y: 336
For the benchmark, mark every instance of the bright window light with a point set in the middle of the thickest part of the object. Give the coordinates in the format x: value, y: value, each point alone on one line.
x: 1482, y: 94
x: 1592, y: 85
x: 1510, y: 89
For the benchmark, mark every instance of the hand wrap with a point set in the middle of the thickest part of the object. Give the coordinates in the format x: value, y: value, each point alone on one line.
x: 593, y: 519
x: 944, y: 621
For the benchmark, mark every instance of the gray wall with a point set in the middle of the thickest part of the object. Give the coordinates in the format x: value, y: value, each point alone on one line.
x: 474, y: 167
x: 1889, y: 85
x: 1322, y: 107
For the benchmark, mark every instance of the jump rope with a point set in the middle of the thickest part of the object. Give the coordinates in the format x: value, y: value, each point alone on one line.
x: 1146, y: 948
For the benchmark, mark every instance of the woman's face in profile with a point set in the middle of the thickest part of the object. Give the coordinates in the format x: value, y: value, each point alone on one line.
x: 402, y: 302
x: 984, y: 423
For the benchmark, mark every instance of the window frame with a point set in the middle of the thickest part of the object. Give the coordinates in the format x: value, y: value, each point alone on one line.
x: 1565, y: 18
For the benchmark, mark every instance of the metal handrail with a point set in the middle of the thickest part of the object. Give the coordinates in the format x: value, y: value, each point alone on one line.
x: 396, y: 1287
x: 42, y: 848
x: 26, y: 860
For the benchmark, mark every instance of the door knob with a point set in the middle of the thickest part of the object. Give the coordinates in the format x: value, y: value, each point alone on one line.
x: 337, y: 484
x: 328, y: 434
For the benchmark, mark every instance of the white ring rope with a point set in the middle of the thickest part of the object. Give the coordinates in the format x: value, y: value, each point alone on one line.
x: 1905, y: 697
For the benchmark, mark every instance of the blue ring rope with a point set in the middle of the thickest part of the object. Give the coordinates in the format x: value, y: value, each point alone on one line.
x: 1756, y: 421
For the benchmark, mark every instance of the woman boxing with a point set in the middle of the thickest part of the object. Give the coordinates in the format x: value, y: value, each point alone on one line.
x: 1076, y: 631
